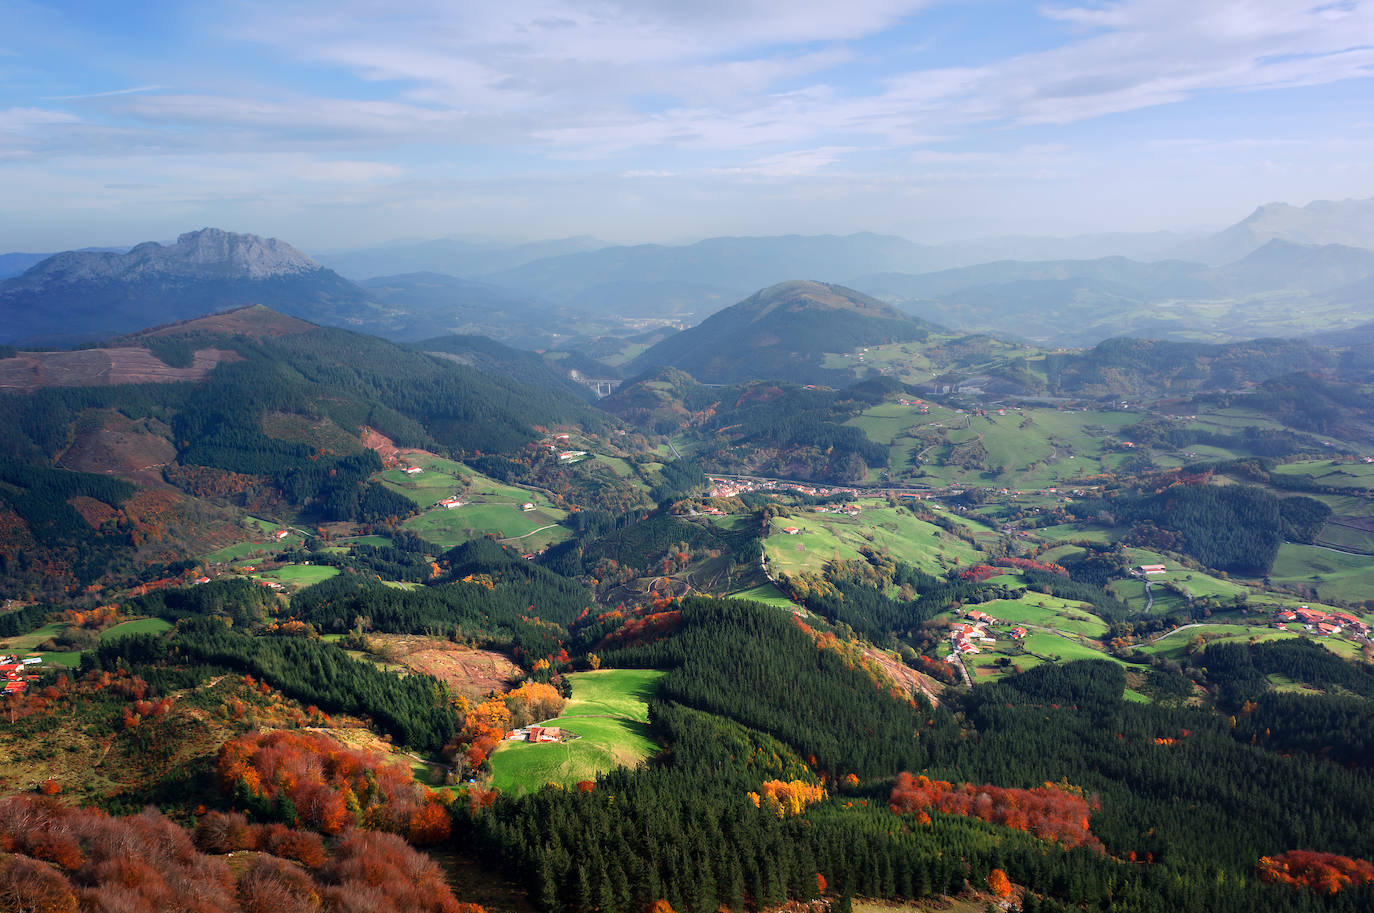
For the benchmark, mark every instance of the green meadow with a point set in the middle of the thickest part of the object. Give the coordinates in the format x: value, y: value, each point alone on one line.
x: 608, y: 712
x: 893, y: 531
x: 137, y: 626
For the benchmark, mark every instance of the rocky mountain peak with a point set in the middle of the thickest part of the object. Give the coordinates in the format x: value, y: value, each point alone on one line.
x: 210, y: 253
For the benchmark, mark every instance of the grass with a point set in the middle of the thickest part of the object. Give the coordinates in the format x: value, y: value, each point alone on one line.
x: 27, y: 643
x: 137, y: 626
x: 622, y: 693
x: 491, y: 507
x: 765, y: 593
x: 65, y: 660
x: 1047, y: 611
x: 1336, y: 575
x: 1175, y: 644
x: 379, y: 541
x: 299, y: 575
x: 609, y: 712
x: 241, y: 550
x: 894, y: 531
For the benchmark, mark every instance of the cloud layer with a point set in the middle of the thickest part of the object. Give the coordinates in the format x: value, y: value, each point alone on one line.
x: 684, y: 119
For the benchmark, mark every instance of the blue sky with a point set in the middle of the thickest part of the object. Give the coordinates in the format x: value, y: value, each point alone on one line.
x: 349, y: 123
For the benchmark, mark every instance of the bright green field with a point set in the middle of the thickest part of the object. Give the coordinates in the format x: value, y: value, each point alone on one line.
x: 137, y: 626
x: 532, y: 529
x: 1175, y: 643
x: 1338, y: 576
x: 491, y: 507
x: 894, y: 531
x: 300, y: 575
x: 766, y: 593
x: 1060, y: 614
x: 65, y: 660
x: 609, y: 710
x: 623, y: 693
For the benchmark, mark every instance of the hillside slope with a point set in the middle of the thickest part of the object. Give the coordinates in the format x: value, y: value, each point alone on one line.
x: 783, y: 332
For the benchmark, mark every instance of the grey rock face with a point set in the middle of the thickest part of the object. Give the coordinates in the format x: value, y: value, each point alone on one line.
x: 210, y: 253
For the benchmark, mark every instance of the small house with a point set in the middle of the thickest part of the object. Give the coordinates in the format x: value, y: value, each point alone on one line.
x: 413, y: 470
x: 1147, y: 569
x: 528, y: 505
x: 790, y: 530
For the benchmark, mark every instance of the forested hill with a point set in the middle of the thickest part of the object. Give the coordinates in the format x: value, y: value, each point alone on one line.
x: 494, y: 357
x: 104, y: 479
x: 783, y: 333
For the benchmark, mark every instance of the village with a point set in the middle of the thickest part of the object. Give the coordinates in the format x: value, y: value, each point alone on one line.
x: 18, y: 672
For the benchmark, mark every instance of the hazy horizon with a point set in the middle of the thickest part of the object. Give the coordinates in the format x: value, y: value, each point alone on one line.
x: 344, y: 125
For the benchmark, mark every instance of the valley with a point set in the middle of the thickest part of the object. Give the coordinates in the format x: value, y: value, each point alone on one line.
x: 804, y: 554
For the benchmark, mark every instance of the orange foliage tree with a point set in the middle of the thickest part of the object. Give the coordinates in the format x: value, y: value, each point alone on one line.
x: 329, y: 786
x: 1327, y: 873
x: 1050, y: 812
x: 787, y: 798
x: 999, y: 883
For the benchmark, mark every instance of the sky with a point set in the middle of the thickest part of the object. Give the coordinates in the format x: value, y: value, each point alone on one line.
x: 355, y: 122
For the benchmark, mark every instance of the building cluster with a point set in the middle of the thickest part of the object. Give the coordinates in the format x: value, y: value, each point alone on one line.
x: 1323, y: 624
x: 729, y: 488
x: 964, y: 637
x: 16, y: 673
x: 535, y: 734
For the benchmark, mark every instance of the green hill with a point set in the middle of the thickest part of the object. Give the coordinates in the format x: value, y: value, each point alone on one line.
x: 783, y: 333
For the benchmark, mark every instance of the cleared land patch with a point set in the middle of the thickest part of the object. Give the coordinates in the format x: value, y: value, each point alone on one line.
x: 608, y: 713
x: 470, y: 673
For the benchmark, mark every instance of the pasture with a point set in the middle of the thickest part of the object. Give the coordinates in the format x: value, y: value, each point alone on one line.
x: 489, y: 507
x: 298, y: 576
x: 893, y: 531
x: 137, y: 626
x: 1335, y: 575
x: 608, y: 712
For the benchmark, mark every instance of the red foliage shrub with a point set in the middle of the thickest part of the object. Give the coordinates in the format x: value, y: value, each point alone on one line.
x: 330, y: 785
x: 978, y: 573
x: 1048, y: 812
x: 272, y: 885
x: 644, y: 630
x: 49, y: 787
x: 1026, y: 564
x: 146, y: 862
x: 26, y: 884
x: 1327, y: 873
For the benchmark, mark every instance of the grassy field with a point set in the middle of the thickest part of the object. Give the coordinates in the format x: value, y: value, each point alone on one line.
x: 27, y: 643
x: 490, y: 507
x: 1336, y: 575
x: 766, y: 593
x: 299, y: 575
x: 137, y: 626
x: 1048, y: 612
x: 1175, y: 644
x: 1331, y: 474
x: 894, y: 531
x: 608, y: 711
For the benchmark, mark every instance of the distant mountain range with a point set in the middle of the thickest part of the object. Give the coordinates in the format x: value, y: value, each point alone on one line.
x: 1280, y: 289
x: 450, y: 256
x: 79, y: 296
x: 1284, y: 270
x: 82, y: 295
